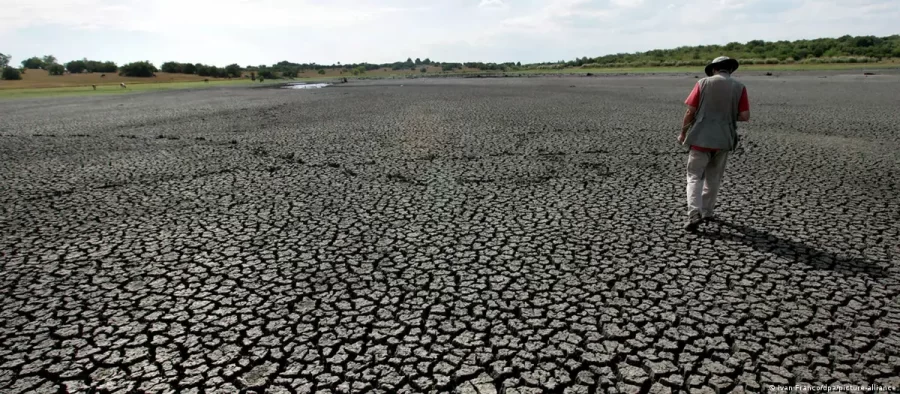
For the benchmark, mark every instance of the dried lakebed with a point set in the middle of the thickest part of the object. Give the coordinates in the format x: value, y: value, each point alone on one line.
x: 470, y: 235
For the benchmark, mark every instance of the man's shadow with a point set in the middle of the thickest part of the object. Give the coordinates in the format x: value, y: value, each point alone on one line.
x: 795, y: 251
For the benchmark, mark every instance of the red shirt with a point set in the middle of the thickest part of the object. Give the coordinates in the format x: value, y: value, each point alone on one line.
x: 693, y: 100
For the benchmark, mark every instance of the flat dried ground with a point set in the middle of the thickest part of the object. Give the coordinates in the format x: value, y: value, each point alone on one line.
x: 471, y: 235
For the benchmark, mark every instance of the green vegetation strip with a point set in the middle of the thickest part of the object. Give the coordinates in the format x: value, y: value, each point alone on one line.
x: 116, y: 89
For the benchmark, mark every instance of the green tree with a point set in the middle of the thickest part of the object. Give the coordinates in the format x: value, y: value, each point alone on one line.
x: 10, y: 74
x: 56, y: 69
x: 172, y: 67
x: 4, y: 60
x: 76, y: 66
x: 266, y: 74
x: 100, y: 67
x: 188, y: 68
x: 49, y: 60
x: 202, y: 70
x: 138, y: 69
x: 233, y: 70
x: 33, y: 63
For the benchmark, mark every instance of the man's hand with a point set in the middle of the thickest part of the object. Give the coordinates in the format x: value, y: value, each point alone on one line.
x: 681, y: 137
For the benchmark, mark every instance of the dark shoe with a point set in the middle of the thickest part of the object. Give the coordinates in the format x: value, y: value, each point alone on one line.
x: 692, y: 224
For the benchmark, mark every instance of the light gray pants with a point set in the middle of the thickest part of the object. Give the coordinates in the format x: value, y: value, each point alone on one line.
x: 704, y: 176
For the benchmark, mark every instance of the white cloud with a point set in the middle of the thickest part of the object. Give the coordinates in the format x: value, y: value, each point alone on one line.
x: 627, y: 3
x: 164, y: 15
x: 492, y: 4
x: 267, y: 31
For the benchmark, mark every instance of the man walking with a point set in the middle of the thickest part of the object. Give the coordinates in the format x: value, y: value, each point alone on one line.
x: 709, y: 128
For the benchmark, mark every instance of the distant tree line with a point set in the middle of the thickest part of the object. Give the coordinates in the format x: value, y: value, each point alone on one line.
x: 52, y: 66
x: 846, y: 49
x: 282, y: 69
x: 91, y: 66
x: 230, y: 71
x: 138, y: 69
x: 286, y: 69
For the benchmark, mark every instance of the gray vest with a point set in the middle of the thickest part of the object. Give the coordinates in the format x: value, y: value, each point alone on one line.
x: 715, y: 125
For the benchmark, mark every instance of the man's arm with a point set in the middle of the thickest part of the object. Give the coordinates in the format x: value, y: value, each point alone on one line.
x: 744, y: 107
x: 686, y: 122
x: 692, y: 102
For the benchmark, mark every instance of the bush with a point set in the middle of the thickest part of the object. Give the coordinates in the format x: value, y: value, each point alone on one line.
x: 772, y: 61
x: 138, y: 69
x: 321, y: 71
x: 11, y: 74
x: 267, y: 74
x: 188, y: 68
x: 76, y: 66
x: 56, y: 69
x: 33, y: 63
x: 100, y: 67
x: 233, y: 70
x: 172, y: 67
x: 423, y: 70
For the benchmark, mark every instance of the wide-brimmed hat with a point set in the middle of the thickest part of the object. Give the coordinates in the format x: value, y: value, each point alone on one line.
x: 725, y: 61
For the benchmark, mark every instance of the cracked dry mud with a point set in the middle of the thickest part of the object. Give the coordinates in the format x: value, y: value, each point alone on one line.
x: 471, y: 236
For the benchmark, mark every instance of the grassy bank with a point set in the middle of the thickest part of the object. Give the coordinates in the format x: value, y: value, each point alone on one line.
x: 115, y: 89
x: 743, y: 68
x: 34, y: 79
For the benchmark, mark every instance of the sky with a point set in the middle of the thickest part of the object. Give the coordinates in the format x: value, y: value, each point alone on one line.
x: 254, y: 32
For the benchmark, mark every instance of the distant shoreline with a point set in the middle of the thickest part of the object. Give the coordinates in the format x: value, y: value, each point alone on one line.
x: 79, y: 84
